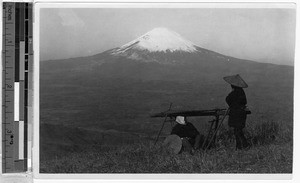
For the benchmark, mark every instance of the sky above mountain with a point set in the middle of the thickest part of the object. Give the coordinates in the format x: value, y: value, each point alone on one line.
x: 263, y: 35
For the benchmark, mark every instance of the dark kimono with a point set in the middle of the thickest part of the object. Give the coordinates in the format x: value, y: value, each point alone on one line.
x: 237, y: 116
x: 237, y: 102
x: 188, y: 130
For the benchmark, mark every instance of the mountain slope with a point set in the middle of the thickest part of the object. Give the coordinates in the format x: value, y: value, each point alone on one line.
x: 163, y: 46
x: 164, y: 54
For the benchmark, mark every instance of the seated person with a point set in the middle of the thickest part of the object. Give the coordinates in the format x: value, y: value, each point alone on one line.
x: 191, y: 138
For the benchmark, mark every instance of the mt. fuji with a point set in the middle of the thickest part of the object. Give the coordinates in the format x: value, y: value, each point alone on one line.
x: 163, y: 46
x: 162, y: 54
x: 159, y: 39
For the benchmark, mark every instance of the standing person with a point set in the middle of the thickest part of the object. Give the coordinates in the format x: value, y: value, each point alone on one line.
x: 190, y: 136
x: 237, y: 102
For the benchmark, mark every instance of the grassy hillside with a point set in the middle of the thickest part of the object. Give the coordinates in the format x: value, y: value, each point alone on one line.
x: 126, y: 106
x: 95, y: 116
x: 271, y: 152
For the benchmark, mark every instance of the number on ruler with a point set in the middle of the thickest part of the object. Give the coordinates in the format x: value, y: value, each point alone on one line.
x: 8, y: 131
x: 11, y: 140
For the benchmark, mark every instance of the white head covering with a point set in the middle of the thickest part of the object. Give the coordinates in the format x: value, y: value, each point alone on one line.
x: 180, y: 120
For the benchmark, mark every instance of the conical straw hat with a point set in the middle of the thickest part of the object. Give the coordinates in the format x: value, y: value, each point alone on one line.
x: 173, y: 143
x: 236, y: 80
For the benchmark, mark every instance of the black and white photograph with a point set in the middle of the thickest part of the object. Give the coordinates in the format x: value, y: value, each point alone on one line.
x: 167, y: 88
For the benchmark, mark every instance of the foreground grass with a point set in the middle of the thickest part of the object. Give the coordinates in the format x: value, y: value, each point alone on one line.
x: 146, y: 158
x: 271, y: 152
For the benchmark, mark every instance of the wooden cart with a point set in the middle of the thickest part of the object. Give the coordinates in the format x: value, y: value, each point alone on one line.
x: 219, y: 114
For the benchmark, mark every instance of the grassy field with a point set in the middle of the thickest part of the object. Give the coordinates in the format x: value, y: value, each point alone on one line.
x: 97, y: 119
x: 271, y: 152
x: 114, y: 134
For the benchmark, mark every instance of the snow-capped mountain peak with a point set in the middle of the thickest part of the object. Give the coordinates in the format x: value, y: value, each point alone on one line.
x: 158, y: 40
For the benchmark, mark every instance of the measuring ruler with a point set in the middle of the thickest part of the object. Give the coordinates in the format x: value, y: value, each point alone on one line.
x: 17, y: 65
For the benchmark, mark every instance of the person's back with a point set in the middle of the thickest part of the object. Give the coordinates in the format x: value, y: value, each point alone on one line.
x: 187, y: 130
x: 237, y: 98
x: 237, y: 101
